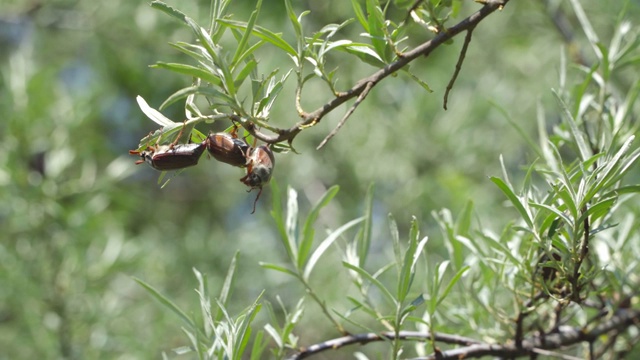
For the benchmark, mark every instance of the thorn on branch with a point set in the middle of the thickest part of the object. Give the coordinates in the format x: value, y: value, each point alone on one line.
x: 463, y: 52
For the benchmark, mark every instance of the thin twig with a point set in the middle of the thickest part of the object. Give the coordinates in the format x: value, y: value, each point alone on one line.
x: 361, y: 97
x: 423, y: 49
x: 463, y: 52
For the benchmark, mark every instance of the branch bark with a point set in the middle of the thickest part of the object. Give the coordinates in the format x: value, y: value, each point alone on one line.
x: 424, y: 49
x: 618, y: 322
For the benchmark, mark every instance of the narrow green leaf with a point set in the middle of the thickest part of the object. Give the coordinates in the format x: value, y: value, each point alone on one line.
x: 324, y: 245
x: 599, y: 209
x: 357, y: 9
x: 195, y: 51
x: 248, y: 68
x: 629, y: 189
x: 279, y: 268
x: 259, y: 346
x: 365, y: 53
x: 166, y: 302
x: 384, y: 291
x: 276, y: 213
x: 364, y: 236
x: 291, y: 225
x: 561, y: 214
x: 169, y: 10
x: 262, y: 33
x: 294, y: 20
x: 307, y: 230
x: 395, y: 240
x: 274, y: 335
x: 586, y: 27
x: 453, y: 281
x: 153, y: 114
x: 361, y: 306
x: 514, y: 200
x: 227, y: 286
x: 607, y: 173
x: 205, y: 304
x: 199, y: 90
x: 190, y: 71
x: 242, y: 44
x: 406, y: 274
x: 585, y: 150
x: 419, y: 81
x: 502, y: 249
x: 264, y: 107
x: 243, y: 334
x: 376, y: 28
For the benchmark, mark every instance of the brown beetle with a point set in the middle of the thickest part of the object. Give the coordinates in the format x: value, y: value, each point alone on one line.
x: 260, y: 163
x: 228, y: 149
x: 172, y: 156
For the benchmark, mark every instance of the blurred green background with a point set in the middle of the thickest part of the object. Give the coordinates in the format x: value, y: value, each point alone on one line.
x: 78, y: 220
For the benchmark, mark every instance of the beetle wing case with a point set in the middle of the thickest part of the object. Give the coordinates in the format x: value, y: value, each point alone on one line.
x: 228, y: 149
x: 171, y: 157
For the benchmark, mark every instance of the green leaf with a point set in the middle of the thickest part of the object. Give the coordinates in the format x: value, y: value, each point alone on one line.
x: 419, y: 81
x: 169, y: 10
x: 514, y: 200
x: 243, y: 334
x: 221, y: 97
x: 324, y: 245
x: 191, y: 71
x: 279, y: 268
x: 262, y: 33
x: 213, y: 51
x: 227, y: 286
x: 585, y: 150
x: 259, y: 346
x: 291, y: 225
x: 277, y: 215
x: 364, y: 236
x: 166, y: 302
x: 406, y: 271
x: 242, y: 44
x: 453, y: 281
x: 376, y: 28
x: 274, y: 334
x: 610, y: 172
x: 372, y: 280
x: 249, y: 67
x: 395, y: 240
x: 357, y: 9
x: 195, y: 51
x: 307, y: 230
x: 273, y: 90
x: 365, y: 53
x: 153, y: 114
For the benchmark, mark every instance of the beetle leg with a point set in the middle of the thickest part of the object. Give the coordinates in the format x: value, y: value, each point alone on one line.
x: 175, y: 142
x: 256, y: 201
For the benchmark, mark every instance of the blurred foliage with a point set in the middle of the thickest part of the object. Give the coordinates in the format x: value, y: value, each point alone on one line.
x: 79, y: 220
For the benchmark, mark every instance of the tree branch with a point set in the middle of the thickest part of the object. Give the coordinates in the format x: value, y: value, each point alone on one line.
x: 421, y: 50
x: 374, y: 337
x: 539, y: 344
